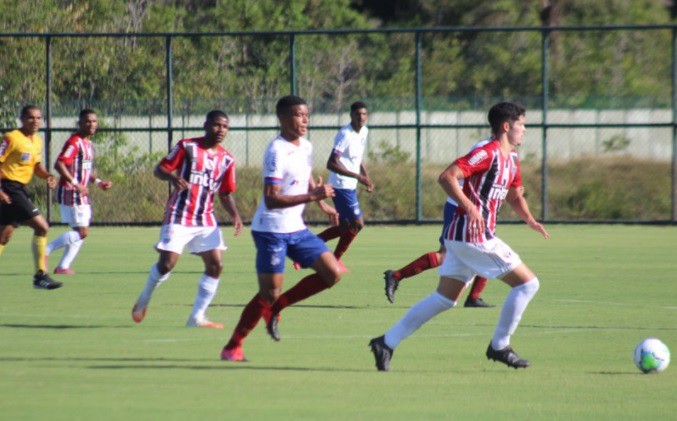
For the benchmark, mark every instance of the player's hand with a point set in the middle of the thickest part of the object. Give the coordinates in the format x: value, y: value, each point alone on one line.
x: 51, y: 181
x: 367, y: 183
x: 322, y: 191
x: 4, y: 198
x: 475, y: 225
x: 105, y: 185
x: 331, y: 212
x: 81, y: 189
x: 334, y: 219
x: 180, y: 184
x: 540, y: 228
x: 237, y: 224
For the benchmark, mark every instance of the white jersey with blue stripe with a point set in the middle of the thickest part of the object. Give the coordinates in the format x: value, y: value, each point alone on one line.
x: 290, y: 166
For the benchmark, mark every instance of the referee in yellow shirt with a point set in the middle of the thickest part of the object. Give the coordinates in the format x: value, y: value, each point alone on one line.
x: 20, y: 158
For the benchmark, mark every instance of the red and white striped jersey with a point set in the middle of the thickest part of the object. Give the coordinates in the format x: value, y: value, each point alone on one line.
x: 78, y: 156
x: 207, y: 171
x: 488, y: 177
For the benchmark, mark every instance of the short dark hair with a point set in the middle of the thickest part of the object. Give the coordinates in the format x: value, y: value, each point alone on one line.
x: 84, y: 113
x: 502, y: 112
x: 357, y: 105
x: 285, y: 104
x: 26, y: 109
x: 214, y: 114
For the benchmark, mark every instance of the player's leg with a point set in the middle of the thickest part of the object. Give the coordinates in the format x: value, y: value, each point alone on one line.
x: 208, y: 244
x: 427, y: 261
x: 270, y: 286
x: 271, y: 250
x: 206, y: 290
x: 39, y: 242
x: 474, y: 298
x: 495, y: 259
x: 305, y: 248
x: 444, y: 298
x: 158, y: 273
x: 5, y: 235
x: 524, y: 285
x: 78, y: 218
x: 75, y: 239
x: 350, y: 215
x: 173, y: 238
x: 331, y: 233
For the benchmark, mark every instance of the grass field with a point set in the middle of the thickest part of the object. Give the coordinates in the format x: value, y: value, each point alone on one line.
x: 74, y: 353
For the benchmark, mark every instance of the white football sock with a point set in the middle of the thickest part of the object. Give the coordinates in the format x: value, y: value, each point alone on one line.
x: 68, y: 237
x: 70, y: 253
x: 154, y: 280
x: 419, y: 314
x: 206, y: 289
x: 513, y: 307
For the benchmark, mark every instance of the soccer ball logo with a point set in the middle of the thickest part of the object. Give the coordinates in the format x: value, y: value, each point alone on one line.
x: 652, y: 356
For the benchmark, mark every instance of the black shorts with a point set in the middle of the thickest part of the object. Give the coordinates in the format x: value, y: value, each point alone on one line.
x: 21, y: 209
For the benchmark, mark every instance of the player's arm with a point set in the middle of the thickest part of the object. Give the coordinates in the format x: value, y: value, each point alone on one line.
x: 369, y: 184
x: 103, y: 184
x: 228, y: 202
x: 62, y: 169
x: 164, y: 174
x: 518, y: 203
x: 324, y: 206
x: 334, y: 165
x: 4, y: 151
x: 274, y: 199
x: 40, y: 171
x: 448, y: 180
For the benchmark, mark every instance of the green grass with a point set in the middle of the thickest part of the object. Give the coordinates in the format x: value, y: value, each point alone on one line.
x: 74, y: 353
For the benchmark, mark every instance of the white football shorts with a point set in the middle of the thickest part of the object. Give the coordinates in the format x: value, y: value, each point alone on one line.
x: 490, y: 259
x: 174, y: 238
x: 76, y: 215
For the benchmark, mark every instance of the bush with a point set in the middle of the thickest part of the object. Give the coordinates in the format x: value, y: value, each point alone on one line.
x: 590, y: 189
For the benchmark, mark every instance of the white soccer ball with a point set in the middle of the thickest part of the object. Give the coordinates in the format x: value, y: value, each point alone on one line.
x: 652, y: 356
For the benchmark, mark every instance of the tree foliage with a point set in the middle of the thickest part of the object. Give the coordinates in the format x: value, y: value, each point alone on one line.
x: 250, y: 70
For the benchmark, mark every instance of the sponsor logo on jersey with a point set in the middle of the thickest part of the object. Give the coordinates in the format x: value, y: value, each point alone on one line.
x: 25, y: 156
x: 497, y: 192
x: 480, y: 156
x: 203, y: 179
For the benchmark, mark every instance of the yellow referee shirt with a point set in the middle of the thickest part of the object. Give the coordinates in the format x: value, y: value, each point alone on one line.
x: 19, y: 154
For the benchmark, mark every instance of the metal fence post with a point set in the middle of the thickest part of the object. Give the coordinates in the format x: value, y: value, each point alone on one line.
x: 292, y: 64
x: 545, y: 36
x: 673, y: 181
x: 170, y: 97
x: 419, y: 182
x: 48, y: 120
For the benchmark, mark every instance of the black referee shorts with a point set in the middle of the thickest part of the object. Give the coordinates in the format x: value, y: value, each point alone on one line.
x: 21, y: 209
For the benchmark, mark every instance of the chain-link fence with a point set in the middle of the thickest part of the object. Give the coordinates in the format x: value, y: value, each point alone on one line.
x: 600, y: 146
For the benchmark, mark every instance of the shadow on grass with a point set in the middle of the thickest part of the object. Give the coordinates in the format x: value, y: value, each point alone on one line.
x: 294, y: 306
x: 182, y: 364
x: 60, y: 327
x: 224, y: 366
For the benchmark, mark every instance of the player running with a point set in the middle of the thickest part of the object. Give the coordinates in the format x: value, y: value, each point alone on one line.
x: 198, y: 168
x: 346, y: 171
x: 279, y: 230
x: 492, y: 175
x: 434, y: 259
x: 75, y: 163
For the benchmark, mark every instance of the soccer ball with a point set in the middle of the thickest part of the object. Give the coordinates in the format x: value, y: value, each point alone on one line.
x: 652, y: 356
